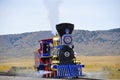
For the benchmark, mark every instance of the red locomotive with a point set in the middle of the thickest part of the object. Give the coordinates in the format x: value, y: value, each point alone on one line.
x: 56, y: 55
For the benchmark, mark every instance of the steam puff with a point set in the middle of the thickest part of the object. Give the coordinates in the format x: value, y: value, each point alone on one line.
x: 53, y: 12
x: 40, y: 73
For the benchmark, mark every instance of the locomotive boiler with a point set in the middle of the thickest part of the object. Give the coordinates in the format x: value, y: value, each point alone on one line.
x: 57, y: 56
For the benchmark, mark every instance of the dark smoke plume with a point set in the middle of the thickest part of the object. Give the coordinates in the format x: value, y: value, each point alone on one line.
x: 53, y: 12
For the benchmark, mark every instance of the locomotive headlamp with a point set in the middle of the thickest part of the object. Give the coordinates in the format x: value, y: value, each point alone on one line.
x: 67, y: 39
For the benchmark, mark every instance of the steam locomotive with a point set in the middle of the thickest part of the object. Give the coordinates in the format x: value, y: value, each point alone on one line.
x: 56, y: 55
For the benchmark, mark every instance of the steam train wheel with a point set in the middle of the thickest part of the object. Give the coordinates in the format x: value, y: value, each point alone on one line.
x: 66, y: 54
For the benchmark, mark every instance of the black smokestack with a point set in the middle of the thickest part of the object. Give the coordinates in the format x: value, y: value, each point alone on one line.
x: 53, y: 12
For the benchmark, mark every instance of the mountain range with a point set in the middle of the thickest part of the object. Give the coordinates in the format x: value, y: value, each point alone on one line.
x: 90, y: 43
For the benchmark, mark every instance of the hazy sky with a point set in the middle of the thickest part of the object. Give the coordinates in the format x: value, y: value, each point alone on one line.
x: 18, y: 16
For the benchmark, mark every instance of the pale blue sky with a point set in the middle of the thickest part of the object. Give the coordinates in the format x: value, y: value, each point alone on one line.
x: 18, y: 16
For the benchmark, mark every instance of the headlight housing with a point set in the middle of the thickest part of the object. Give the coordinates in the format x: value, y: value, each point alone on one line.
x: 67, y: 40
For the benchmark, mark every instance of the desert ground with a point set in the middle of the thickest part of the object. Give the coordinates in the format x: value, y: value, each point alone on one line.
x: 96, y: 67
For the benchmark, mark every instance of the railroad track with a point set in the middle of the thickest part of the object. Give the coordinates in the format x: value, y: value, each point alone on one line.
x: 11, y: 76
